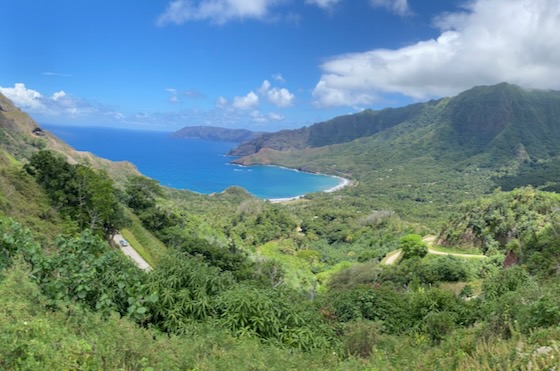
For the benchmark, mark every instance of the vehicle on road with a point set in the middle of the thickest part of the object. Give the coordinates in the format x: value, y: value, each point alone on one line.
x: 123, y: 243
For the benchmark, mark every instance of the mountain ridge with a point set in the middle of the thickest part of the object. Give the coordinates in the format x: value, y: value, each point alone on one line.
x: 501, y: 121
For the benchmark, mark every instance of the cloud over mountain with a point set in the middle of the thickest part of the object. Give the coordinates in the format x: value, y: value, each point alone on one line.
x: 488, y: 42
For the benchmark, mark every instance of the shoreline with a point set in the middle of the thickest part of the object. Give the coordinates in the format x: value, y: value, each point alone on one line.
x: 344, y: 182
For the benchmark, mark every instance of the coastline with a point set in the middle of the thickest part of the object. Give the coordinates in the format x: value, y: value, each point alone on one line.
x: 343, y: 183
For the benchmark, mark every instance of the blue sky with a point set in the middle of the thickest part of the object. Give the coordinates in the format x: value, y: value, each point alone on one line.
x: 263, y: 64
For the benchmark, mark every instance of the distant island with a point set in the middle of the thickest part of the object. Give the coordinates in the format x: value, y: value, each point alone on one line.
x: 216, y: 134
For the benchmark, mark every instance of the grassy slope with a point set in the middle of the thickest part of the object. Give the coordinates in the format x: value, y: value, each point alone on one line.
x: 18, y: 136
x: 22, y: 199
x: 143, y: 241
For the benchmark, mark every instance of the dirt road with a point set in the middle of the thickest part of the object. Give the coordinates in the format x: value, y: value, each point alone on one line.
x: 429, y: 240
x: 393, y: 256
x: 131, y: 253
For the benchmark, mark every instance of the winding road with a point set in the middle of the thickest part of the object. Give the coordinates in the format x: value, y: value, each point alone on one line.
x: 393, y: 256
x: 131, y: 253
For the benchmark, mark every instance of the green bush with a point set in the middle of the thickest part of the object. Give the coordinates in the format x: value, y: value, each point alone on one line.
x: 413, y: 246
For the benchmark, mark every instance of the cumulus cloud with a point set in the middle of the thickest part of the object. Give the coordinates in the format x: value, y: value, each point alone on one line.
x: 59, y: 105
x: 251, y: 100
x: 26, y: 99
x: 222, y: 102
x: 399, y: 7
x: 324, y: 4
x: 263, y: 118
x: 177, y: 95
x: 490, y: 41
x: 58, y: 95
x: 278, y: 77
x: 279, y: 97
x: 217, y: 11
x: 62, y: 108
x: 275, y: 116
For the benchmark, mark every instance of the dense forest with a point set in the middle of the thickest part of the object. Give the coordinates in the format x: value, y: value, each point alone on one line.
x: 451, y: 275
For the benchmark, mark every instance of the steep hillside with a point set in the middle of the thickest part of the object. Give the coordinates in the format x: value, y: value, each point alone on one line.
x: 496, y: 124
x: 445, y: 151
x: 23, y: 199
x: 21, y: 136
x: 216, y: 134
x: 340, y: 129
x: 504, y: 122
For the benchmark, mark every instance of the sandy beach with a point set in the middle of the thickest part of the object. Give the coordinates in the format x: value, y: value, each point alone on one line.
x: 343, y: 183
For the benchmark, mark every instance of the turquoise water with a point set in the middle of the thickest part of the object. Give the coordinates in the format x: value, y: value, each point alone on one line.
x: 198, y: 165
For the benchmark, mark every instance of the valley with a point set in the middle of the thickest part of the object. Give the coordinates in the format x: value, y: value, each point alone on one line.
x: 441, y: 253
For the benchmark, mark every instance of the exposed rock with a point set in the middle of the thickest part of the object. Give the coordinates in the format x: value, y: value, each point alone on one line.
x: 39, y: 132
x: 511, y: 259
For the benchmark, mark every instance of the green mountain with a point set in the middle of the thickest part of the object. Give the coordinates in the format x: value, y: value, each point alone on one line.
x: 491, y: 125
x: 338, y: 130
x: 421, y: 160
x: 216, y: 134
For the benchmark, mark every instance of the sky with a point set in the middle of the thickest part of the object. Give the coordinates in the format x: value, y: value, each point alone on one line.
x: 263, y: 64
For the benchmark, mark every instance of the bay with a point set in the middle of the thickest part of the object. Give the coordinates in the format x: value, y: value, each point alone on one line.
x: 197, y: 165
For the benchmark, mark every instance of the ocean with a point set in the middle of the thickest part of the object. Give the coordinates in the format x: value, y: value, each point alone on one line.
x: 198, y: 165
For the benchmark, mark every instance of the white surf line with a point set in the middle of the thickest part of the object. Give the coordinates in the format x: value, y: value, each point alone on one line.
x: 286, y: 199
x: 343, y: 183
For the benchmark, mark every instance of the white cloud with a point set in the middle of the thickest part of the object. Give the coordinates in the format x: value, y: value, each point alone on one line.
x: 264, y: 87
x: 222, y: 102
x: 58, y: 106
x: 57, y: 74
x: 26, y: 99
x: 249, y: 101
x: 279, y: 97
x: 489, y: 42
x: 263, y: 118
x: 275, y: 116
x: 399, y: 7
x: 217, y: 11
x: 324, y: 4
x: 62, y: 108
x: 58, y: 95
x: 278, y: 77
x: 177, y: 96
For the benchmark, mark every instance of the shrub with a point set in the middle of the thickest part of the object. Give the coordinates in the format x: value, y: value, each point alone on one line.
x: 412, y: 245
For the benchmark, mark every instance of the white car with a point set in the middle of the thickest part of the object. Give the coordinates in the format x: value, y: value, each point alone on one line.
x: 123, y: 243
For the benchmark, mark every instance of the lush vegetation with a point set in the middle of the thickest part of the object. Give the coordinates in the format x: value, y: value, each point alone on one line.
x: 433, y: 155
x: 241, y: 283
